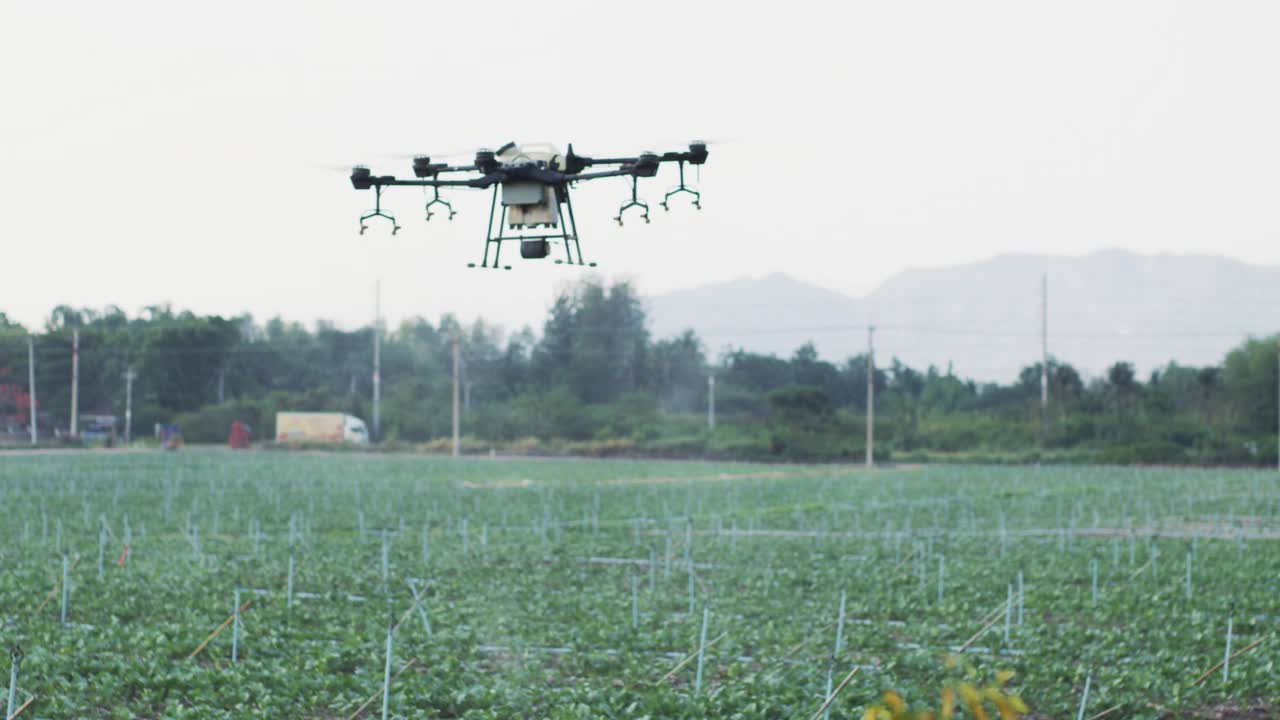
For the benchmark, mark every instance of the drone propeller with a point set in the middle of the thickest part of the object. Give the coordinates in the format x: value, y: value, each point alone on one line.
x: 335, y: 167
x: 434, y: 155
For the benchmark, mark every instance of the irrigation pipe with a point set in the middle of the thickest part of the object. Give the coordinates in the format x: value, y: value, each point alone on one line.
x: 377, y: 694
x: 53, y: 591
x: 1001, y: 608
x: 983, y: 631
x: 1138, y: 572
x: 220, y: 628
x: 1238, y: 653
x: 831, y: 698
x: 403, y: 618
x: 24, y: 706
x: 690, y: 658
x: 806, y: 641
x: 1106, y: 712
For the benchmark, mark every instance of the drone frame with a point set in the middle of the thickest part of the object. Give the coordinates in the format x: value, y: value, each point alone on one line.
x: 559, y: 174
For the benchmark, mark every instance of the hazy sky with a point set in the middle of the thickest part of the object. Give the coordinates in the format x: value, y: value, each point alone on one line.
x: 183, y: 153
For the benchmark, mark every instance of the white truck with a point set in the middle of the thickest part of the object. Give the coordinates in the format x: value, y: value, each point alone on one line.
x: 320, y: 427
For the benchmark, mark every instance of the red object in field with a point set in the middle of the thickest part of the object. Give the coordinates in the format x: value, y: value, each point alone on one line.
x: 240, y: 435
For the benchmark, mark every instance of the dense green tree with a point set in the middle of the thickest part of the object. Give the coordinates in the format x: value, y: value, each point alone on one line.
x: 1249, y: 382
x: 595, y: 375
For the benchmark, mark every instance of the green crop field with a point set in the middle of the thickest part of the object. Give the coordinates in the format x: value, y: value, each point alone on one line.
x: 570, y: 588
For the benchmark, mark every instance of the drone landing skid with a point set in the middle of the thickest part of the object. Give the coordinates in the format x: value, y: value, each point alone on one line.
x: 377, y: 212
x: 634, y: 202
x: 437, y: 200
x: 532, y: 246
x: 682, y: 188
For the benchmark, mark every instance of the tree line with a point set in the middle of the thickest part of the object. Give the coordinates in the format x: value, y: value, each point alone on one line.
x: 595, y: 381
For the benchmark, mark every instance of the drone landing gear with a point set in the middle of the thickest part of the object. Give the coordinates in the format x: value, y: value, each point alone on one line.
x: 377, y: 212
x: 682, y: 188
x: 533, y: 246
x: 437, y: 200
x: 635, y: 202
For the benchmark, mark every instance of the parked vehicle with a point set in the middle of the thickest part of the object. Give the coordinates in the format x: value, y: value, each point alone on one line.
x: 320, y: 427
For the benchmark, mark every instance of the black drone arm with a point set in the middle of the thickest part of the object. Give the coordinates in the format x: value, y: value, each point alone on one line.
x: 600, y: 174
x: 362, y: 179
x: 646, y: 163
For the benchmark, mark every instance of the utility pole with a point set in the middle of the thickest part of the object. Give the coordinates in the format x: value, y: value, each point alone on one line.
x: 31, y: 387
x: 711, y: 402
x: 1044, y: 359
x: 75, y: 382
x: 871, y: 394
x: 457, y: 440
x: 377, y: 360
x: 129, y: 376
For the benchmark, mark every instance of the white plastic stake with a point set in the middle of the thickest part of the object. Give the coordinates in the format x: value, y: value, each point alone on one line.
x: 1008, y: 613
x: 653, y: 570
x: 386, y: 675
x: 1093, y: 571
x: 1021, y: 596
x: 290, y: 582
x: 1226, y: 661
x: 1188, y: 576
x: 422, y: 612
x: 688, y: 541
x: 666, y: 569
x: 1084, y: 700
x: 66, y: 569
x: 386, y: 557
x: 635, y: 601
x: 826, y: 714
x: 235, y: 629
x: 702, y: 649
x: 942, y: 574
x: 15, y: 656
x: 426, y: 543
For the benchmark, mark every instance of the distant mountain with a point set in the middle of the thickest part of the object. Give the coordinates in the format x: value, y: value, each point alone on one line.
x: 983, y: 318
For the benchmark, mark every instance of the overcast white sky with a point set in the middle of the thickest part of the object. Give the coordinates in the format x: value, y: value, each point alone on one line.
x: 176, y: 152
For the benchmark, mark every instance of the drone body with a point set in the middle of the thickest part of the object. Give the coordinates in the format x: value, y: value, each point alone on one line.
x: 531, y: 185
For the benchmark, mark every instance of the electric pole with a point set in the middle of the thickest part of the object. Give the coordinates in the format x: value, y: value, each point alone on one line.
x: 457, y: 440
x: 377, y: 360
x: 871, y: 394
x: 711, y: 402
x: 75, y: 383
x: 129, y: 376
x: 1044, y: 359
x: 31, y: 387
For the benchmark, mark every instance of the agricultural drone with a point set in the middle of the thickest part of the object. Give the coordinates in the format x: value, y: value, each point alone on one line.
x: 532, y: 184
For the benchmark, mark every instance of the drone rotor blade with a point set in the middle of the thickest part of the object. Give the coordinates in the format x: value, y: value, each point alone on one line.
x: 335, y: 167
x: 432, y: 155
